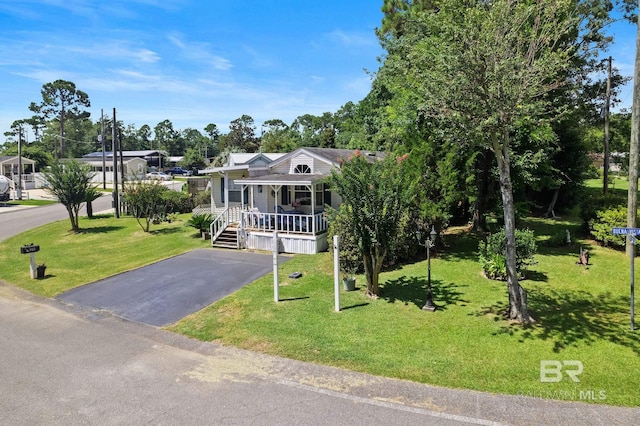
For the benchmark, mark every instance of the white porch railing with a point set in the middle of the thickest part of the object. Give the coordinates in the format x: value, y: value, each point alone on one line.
x: 224, y: 219
x: 284, y: 222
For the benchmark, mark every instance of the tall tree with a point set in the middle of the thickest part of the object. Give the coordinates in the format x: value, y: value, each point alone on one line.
x: 165, y: 137
x: 212, y: 148
x: 61, y: 101
x: 278, y: 137
x: 376, y: 194
x: 70, y: 183
x: 488, y: 67
x: 242, y: 135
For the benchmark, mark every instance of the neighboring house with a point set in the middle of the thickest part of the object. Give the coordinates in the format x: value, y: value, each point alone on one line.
x: 153, y: 158
x: 10, y: 167
x: 135, y: 168
x: 255, y: 195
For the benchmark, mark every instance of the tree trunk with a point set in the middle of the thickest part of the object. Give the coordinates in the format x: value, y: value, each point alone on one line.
x: 90, y: 209
x: 73, y: 218
x: 634, y: 150
x: 552, y: 205
x: 479, y: 221
x: 607, y: 153
x: 368, y: 273
x: 517, y: 295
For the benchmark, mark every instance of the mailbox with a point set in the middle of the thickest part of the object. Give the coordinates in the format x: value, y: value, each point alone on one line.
x: 29, y: 249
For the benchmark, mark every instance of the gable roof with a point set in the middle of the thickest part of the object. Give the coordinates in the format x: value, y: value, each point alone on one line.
x: 239, y: 158
x: 331, y: 156
x: 13, y: 159
x: 147, y: 153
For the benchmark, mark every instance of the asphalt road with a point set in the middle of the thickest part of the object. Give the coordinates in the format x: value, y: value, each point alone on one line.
x: 62, y: 365
x: 15, y: 220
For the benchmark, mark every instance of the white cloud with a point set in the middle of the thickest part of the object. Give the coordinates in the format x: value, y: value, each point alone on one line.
x: 199, y: 52
x: 353, y: 38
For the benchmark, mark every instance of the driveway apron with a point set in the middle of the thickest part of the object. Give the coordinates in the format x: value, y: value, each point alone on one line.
x: 167, y: 291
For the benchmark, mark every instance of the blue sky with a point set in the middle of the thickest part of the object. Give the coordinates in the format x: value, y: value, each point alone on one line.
x: 196, y: 62
x: 192, y: 62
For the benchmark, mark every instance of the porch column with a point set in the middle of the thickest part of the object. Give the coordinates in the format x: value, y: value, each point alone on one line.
x: 313, y: 209
x: 276, y: 190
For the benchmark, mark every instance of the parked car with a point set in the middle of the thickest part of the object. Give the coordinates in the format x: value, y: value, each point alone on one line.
x: 178, y: 171
x: 158, y: 176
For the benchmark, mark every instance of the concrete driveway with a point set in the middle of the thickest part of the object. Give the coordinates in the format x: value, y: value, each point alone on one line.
x: 167, y: 291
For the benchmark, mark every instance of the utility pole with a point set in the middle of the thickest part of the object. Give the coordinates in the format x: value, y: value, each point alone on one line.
x: 634, y: 149
x: 607, y: 104
x: 115, y: 166
x: 122, y: 176
x: 104, y: 157
x: 19, y: 187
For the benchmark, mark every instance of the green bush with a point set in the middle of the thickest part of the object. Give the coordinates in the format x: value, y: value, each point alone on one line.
x: 177, y: 202
x: 493, y: 253
x: 350, y: 254
x: 590, y: 206
x: 202, y: 222
x: 606, y: 219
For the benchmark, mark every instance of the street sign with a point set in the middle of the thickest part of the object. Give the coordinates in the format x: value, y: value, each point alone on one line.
x: 29, y: 249
x: 625, y: 231
x: 632, y: 232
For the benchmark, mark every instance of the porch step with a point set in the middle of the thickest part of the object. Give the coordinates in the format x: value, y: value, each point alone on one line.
x: 228, y: 239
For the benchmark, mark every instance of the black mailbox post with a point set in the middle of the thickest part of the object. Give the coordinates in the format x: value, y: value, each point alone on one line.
x: 29, y: 249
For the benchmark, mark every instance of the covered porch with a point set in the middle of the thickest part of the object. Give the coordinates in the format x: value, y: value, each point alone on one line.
x: 289, y: 204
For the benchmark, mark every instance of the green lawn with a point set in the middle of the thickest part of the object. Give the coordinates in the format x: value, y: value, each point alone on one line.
x: 105, y: 246
x: 31, y: 202
x: 582, y: 313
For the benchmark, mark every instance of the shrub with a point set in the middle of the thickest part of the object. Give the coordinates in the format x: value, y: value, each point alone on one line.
x: 590, y: 206
x: 202, y: 222
x: 493, y: 253
x: 177, y: 202
x: 350, y: 254
x: 606, y: 219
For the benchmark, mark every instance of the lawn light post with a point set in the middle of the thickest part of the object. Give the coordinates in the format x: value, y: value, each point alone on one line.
x: 429, y: 243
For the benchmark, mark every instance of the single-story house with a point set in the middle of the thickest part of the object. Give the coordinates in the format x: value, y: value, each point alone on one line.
x: 134, y: 168
x: 255, y: 195
x: 10, y: 167
x: 155, y: 158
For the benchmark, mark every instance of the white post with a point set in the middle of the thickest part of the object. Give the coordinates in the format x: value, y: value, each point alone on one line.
x: 336, y: 272
x: 276, y: 296
x: 33, y: 265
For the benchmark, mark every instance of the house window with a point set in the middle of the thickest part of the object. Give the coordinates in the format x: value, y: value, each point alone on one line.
x: 302, y: 195
x: 302, y: 169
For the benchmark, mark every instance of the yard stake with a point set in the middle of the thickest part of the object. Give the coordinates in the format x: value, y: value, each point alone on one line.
x: 276, y: 296
x: 336, y: 272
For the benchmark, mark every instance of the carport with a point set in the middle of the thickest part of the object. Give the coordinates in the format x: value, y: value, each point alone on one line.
x: 167, y: 291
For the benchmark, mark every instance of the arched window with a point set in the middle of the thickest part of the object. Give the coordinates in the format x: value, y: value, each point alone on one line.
x: 302, y: 169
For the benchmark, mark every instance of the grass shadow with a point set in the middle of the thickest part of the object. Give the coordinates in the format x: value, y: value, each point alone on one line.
x: 99, y: 229
x: 101, y: 216
x: 291, y: 299
x: 165, y: 231
x: 414, y: 290
x: 359, y: 305
x: 534, y: 276
x: 571, y: 318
